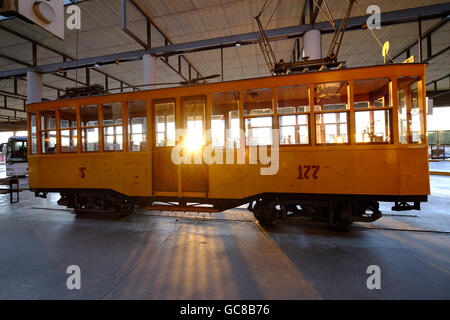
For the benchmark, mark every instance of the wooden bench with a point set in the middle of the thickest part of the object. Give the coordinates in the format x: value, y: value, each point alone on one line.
x: 13, y: 183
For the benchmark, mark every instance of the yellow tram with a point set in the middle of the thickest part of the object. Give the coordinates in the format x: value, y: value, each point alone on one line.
x: 324, y: 146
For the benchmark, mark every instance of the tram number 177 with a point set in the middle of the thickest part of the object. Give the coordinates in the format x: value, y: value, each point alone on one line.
x: 308, y: 172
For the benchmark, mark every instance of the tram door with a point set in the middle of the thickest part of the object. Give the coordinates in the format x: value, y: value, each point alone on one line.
x: 194, y: 174
x: 164, y: 173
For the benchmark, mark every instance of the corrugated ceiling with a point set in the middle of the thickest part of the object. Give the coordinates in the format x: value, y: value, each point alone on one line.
x: 189, y: 20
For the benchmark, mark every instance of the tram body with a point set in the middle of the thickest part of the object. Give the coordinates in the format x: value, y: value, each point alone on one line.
x: 347, y: 140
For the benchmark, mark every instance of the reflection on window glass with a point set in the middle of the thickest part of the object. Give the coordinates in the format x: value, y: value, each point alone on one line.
x: 330, y: 96
x: 48, y: 141
x: 69, y: 141
x: 194, y: 111
x: 258, y: 131
x: 48, y: 119
x: 33, y: 133
x: 417, y: 122
x: 402, y: 117
x: 225, y: 120
x: 165, y: 124
x: 294, y: 129
x: 373, y: 126
x: 137, y: 126
x: 89, y: 138
x: 332, y: 128
x: 410, y: 117
x: 258, y: 102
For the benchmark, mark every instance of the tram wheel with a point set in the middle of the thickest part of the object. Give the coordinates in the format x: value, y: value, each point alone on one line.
x: 126, y: 209
x: 264, y: 212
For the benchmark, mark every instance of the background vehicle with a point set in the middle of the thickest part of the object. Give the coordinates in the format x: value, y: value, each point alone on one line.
x: 348, y: 140
x: 17, y: 157
x: 3, y: 148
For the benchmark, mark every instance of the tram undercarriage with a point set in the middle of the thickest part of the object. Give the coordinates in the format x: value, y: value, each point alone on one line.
x: 268, y: 209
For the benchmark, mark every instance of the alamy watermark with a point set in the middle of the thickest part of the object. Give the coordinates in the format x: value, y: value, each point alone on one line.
x: 73, y: 21
x: 374, y: 20
x: 192, y: 151
x: 74, y: 280
x: 374, y: 280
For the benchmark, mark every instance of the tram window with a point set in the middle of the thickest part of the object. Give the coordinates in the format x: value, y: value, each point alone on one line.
x: 69, y: 141
x: 112, y: 131
x: 137, y: 126
x: 194, y: 113
x: 373, y: 93
x: 48, y: 142
x: 332, y: 128
x: 373, y: 126
x: 112, y: 114
x: 411, y: 114
x: 258, y: 102
x: 293, y: 127
x: 89, y: 128
x: 292, y: 99
x: 258, y: 131
x: 330, y: 96
x: 379, y: 103
x: 225, y: 124
x: 89, y: 138
x: 68, y: 118
x: 165, y: 124
x: 89, y: 116
x: 48, y: 119
x: 33, y: 133
x: 361, y: 105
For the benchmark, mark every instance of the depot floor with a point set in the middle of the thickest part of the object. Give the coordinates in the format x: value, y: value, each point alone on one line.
x: 161, y: 255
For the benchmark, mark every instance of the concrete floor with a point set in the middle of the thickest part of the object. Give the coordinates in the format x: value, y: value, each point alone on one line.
x: 440, y: 166
x: 153, y: 255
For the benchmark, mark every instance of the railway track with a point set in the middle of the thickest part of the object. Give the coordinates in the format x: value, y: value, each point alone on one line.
x: 302, y: 224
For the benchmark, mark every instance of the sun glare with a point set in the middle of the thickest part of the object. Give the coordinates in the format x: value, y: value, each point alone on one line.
x: 194, y: 139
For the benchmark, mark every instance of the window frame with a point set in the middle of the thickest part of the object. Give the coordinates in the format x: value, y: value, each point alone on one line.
x: 387, y: 107
x: 103, y: 126
x: 99, y: 127
x: 243, y: 117
x: 154, y: 126
x: 76, y: 128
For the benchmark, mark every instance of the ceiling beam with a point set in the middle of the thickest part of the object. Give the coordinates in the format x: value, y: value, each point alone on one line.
x: 355, y: 23
x: 65, y: 56
x: 424, y: 36
x: 148, y: 43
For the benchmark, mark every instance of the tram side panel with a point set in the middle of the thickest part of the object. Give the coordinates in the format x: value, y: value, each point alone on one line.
x: 352, y: 172
x: 129, y: 174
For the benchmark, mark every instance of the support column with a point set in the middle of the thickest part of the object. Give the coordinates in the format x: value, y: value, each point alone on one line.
x: 34, y: 87
x: 149, y: 70
x: 312, y: 44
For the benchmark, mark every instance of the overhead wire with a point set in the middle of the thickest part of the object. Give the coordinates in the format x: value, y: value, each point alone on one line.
x: 373, y: 33
x: 275, y: 10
